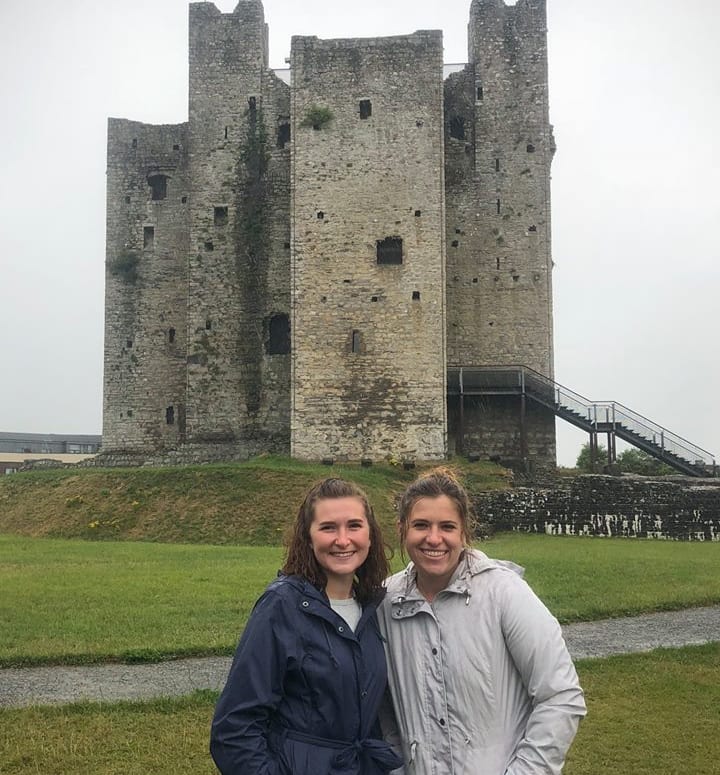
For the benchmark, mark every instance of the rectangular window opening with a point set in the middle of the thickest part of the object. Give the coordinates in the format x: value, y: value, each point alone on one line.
x: 220, y: 216
x: 170, y: 415
x: 389, y: 251
x: 497, y: 165
x: 416, y: 295
x: 158, y: 186
x: 479, y: 93
x: 148, y: 237
x: 283, y: 134
x: 457, y: 127
x: 356, y: 341
x: 365, y: 108
x: 171, y: 335
x: 278, y: 342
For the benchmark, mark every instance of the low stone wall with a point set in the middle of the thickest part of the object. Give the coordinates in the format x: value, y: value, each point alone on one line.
x: 676, y: 508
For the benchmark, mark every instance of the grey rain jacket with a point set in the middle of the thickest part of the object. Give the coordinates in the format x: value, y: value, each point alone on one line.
x: 303, y: 691
x: 481, y: 679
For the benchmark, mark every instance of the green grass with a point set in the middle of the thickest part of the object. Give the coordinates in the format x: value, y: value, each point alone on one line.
x: 77, y: 601
x: 247, y: 503
x: 582, y: 578
x: 649, y: 714
x: 163, y: 736
x: 72, y: 601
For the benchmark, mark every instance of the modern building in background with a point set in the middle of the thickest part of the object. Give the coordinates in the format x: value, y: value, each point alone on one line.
x: 317, y: 258
x: 16, y: 449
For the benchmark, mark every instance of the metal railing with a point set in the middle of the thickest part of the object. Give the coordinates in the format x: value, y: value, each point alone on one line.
x: 593, y: 416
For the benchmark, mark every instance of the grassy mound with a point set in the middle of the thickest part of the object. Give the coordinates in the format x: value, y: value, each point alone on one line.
x: 248, y: 503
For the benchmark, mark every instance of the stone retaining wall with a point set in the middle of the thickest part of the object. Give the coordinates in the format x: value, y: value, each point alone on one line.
x: 675, y: 508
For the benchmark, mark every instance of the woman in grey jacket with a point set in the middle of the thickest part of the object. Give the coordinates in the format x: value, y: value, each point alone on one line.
x: 478, y: 670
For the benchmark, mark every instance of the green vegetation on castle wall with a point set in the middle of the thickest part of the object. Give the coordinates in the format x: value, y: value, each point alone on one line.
x: 317, y: 116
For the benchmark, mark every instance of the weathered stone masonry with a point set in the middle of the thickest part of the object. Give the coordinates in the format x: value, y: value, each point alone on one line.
x: 677, y: 508
x: 295, y: 267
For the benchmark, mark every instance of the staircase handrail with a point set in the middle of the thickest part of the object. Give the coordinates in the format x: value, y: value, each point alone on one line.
x: 656, y: 434
x: 610, y: 413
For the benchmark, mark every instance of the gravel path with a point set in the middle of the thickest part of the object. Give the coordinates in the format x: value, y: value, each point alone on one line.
x: 112, y: 682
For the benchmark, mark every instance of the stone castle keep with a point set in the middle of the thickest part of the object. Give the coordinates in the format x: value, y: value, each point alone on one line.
x: 300, y: 266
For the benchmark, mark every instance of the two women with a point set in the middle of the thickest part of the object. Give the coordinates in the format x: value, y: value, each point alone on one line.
x: 480, y: 677
x: 309, y: 675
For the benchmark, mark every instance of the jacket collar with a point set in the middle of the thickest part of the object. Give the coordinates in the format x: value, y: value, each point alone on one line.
x: 315, y: 602
x: 409, y: 599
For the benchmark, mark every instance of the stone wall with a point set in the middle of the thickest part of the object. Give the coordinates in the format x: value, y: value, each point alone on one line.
x: 498, y: 151
x: 677, y: 508
x: 494, y: 430
x: 238, y: 386
x: 368, y: 350
x: 145, y: 286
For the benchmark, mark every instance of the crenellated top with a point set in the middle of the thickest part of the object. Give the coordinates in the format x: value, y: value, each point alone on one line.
x: 480, y: 6
x: 250, y: 10
x: 518, y: 26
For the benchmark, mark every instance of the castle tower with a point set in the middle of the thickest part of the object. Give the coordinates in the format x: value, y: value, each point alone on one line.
x: 238, y: 338
x: 145, y: 287
x: 368, y: 309
x: 499, y: 148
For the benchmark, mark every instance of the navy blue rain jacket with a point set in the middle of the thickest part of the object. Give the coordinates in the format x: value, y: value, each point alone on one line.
x: 303, y: 692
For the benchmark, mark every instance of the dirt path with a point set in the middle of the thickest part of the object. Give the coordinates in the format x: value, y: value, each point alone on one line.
x: 112, y: 682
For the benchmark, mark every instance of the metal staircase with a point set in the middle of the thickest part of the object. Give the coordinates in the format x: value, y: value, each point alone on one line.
x: 594, y: 417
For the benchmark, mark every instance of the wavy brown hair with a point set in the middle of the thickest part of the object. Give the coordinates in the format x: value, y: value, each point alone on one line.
x: 432, y: 484
x: 300, y: 559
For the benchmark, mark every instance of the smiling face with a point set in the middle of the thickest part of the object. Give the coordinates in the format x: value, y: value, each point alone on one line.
x: 340, y: 539
x: 434, y: 541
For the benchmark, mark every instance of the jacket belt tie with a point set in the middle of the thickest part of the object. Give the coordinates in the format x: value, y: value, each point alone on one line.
x: 369, y: 755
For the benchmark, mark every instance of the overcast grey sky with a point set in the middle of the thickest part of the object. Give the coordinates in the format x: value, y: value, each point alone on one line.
x: 634, y: 87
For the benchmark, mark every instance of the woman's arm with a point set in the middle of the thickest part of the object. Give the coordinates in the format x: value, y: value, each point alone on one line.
x: 534, y: 639
x: 239, y: 736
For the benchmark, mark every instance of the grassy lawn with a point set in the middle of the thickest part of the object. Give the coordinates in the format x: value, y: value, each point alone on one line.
x: 73, y: 601
x: 649, y: 714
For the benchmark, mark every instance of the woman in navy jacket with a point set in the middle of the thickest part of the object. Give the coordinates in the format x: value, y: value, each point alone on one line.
x: 309, y: 673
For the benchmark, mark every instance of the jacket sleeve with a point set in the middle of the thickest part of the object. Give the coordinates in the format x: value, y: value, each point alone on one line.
x: 535, y: 642
x: 239, y: 735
